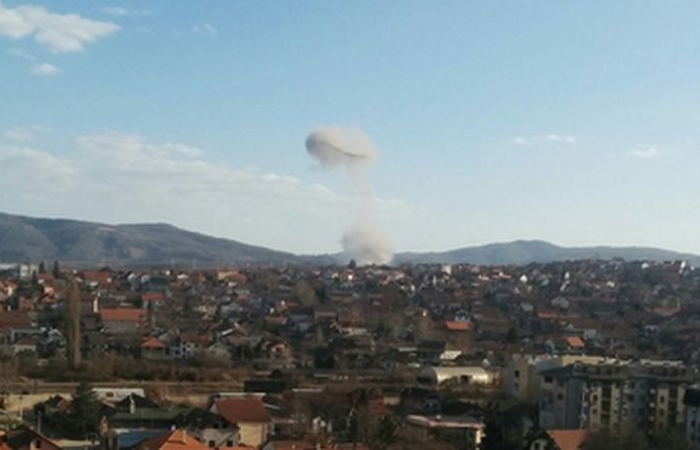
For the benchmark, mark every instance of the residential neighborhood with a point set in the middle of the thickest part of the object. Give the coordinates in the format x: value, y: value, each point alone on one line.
x: 416, y: 356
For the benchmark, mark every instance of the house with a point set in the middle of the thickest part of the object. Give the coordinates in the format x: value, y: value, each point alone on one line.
x: 458, y: 326
x: 249, y: 414
x: 575, y: 344
x: 154, y: 299
x: 465, y: 430
x: 187, y: 345
x: 25, y: 438
x: 417, y: 400
x: 558, y: 440
x: 278, y: 350
x: 26, y: 345
x: 11, y: 320
x: 122, y: 320
x: 145, y: 418
x: 211, y: 429
x: 172, y: 440
x: 153, y: 348
x: 94, y: 279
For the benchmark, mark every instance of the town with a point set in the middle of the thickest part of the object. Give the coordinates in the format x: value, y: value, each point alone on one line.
x: 587, y: 354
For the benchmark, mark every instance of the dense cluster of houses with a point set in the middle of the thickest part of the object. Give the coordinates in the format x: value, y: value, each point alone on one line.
x: 579, y: 341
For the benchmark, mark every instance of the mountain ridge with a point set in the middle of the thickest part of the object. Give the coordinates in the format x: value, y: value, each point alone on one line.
x: 30, y: 239
x: 521, y: 252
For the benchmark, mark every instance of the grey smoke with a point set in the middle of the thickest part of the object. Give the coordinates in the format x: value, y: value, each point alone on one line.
x: 367, y: 245
x: 352, y: 150
x: 335, y: 147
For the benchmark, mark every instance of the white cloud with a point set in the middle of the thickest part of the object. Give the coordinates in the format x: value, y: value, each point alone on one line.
x: 645, y: 153
x: 205, y: 28
x: 123, y: 12
x: 120, y: 178
x: 24, y: 133
x: 45, y: 69
x: 21, y: 54
x: 547, y: 139
x: 562, y: 138
x: 60, y: 33
x: 519, y: 140
x: 30, y: 166
x: 18, y: 134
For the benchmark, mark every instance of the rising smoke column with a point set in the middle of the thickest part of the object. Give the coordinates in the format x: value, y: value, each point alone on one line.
x: 352, y: 151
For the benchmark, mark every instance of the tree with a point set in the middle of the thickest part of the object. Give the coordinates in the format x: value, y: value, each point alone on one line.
x: 42, y: 267
x: 56, y: 270
x: 494, y: 439
x: 73, y: 324
x: 305, y: 292
x: 85, y: 414
x: 512, y: 335
x: 629, y: 438
x: 385, y: 433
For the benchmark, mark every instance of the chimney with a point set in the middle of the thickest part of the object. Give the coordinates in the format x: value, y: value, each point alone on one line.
x: 184, y: 436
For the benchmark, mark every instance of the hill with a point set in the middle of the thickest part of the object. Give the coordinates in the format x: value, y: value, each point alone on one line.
x: 524, y: 252
x: 88, y: 243
x: 26, y: 239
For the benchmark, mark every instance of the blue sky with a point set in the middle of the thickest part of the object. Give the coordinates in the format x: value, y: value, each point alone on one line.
x: 574, y: 122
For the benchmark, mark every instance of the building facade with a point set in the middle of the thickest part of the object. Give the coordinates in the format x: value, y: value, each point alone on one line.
x: 646, y: 394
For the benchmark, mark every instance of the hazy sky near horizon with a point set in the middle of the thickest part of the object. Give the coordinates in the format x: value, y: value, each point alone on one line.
x: 570, y: 121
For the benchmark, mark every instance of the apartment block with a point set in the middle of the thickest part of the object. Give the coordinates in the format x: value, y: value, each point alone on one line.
x: 646, y: 394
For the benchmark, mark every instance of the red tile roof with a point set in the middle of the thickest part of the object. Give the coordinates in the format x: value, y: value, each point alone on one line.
x: 173, y: 440
x: 153, y: 297
x: 575, y: 342
x: 97, y: 276
x: 153, y: 342
x: 568, y: 439
x: 14, y: 319
x: 242, y: 410
x: 122, y: 314
x: 458, y: 326
x: 547, y: 315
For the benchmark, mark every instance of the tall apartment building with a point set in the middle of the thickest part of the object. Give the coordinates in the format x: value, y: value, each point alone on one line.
x: 522, y: 374
x: 691, y: 400
x: 646, y: 394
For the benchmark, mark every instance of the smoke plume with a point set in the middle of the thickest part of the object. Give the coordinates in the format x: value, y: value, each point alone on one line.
x: 353, y: 151
x: 335, y: 147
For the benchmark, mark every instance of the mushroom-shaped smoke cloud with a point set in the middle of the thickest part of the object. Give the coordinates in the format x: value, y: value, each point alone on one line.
x: 351, y: 149
x: 335, y: 147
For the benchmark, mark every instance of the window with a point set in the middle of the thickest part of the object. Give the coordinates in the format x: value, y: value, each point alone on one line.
x: 212, y: 444
x: 560, y: 397
x: 631, y: 384
x: 548, y: 379
x: 229, y: 443
x: 662, y: 399
x: 38, y: 443
x: 517, y: 374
